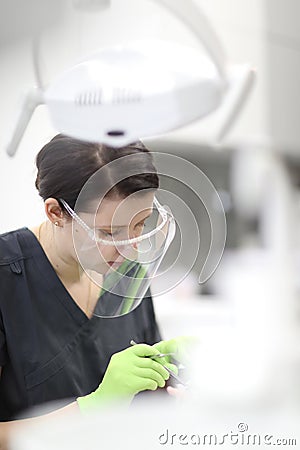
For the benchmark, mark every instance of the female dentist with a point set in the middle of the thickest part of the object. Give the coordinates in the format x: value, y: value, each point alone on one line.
x: 65, y: 330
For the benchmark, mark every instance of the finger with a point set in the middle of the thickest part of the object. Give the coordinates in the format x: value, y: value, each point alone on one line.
x: 147, y: 363
x: 169, y: 346
x: 172, y: 367
x: 151, y: 385
x: 145, y: 384
x: 162, y: 359
x: 181, y: 346
x: 151, y: 375
x: 178, y: 392
x: 160, y: 369
x: 143, y: 350
x: 161, y: 346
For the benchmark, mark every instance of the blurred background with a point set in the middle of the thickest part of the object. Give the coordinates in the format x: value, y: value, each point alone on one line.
x: 252, y: 299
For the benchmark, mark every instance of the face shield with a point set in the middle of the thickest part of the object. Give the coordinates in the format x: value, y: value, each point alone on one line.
x: 120, y: 243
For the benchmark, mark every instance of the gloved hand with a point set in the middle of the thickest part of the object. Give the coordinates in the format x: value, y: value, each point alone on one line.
x: 128, y: 372
x: 180, y: 346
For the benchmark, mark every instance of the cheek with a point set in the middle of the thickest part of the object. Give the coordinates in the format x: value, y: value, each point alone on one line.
x: 106, y: 253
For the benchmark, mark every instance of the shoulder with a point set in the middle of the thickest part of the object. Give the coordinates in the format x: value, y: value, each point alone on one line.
x: 12, y: 246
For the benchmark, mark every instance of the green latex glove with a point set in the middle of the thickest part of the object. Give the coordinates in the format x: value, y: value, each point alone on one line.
x: 180, y: 346
x: 129, y: 372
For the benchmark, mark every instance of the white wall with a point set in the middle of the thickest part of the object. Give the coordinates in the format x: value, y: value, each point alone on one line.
x: 20, y: 204
x: 241, y: 26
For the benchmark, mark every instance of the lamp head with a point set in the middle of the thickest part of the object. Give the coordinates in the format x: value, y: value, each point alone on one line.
x: 134, y: 90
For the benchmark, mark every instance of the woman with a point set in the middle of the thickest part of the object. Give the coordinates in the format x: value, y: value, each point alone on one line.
x: 52, y: 347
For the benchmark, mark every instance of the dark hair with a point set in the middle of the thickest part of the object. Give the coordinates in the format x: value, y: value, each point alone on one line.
x: 65, y: 164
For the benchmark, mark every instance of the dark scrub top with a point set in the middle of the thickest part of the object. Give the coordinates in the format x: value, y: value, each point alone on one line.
x: 49, y: 349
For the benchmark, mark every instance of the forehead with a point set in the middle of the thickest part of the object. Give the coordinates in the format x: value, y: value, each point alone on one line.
x: 120, y: 212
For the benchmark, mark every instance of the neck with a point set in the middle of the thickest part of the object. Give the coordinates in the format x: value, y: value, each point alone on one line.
x: 54, y: 244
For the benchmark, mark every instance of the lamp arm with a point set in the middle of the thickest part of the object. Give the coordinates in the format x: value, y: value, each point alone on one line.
x: 191, y: 15
x: 30, y: 101
x: 195, y: 20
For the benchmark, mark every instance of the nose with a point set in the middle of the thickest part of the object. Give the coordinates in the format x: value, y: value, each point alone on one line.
x: 128, y: 251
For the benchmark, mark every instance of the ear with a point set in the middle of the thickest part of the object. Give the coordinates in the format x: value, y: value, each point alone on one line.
x: 54, y: 212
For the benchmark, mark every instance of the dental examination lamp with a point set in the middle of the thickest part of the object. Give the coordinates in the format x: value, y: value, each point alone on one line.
x: 140, y: 89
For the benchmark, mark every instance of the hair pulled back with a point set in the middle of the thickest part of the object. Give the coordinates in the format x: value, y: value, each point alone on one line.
x: 65, y: 164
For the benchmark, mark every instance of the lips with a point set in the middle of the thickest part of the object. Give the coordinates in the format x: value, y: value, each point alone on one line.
x: 114, y: 263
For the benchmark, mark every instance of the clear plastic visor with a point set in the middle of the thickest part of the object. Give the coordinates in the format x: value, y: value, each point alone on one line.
x: 123, y: 256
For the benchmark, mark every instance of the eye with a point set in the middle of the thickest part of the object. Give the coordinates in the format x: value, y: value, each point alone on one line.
x: 106, y: 234
x: 140, y: 226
